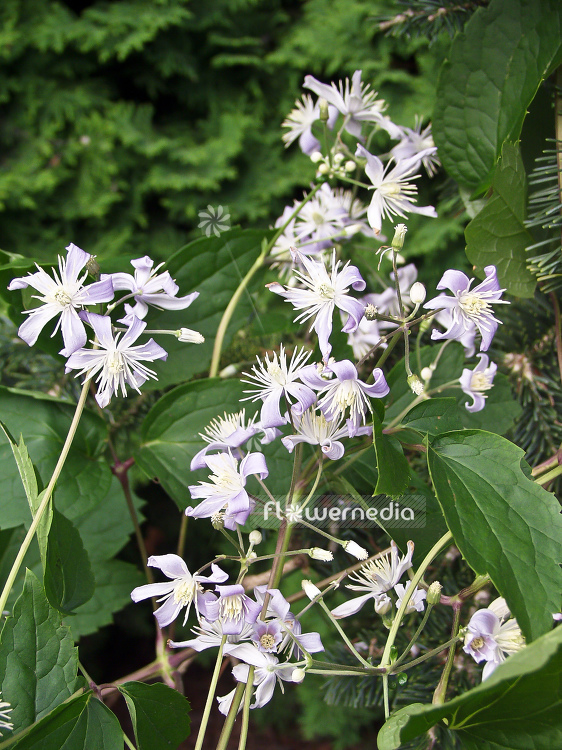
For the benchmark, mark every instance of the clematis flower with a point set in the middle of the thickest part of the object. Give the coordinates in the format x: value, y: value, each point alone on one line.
x: 230, y: 431
x: 275, y: 378
x: 376, y: 578
x: 233, y: 609
x: 345, y: 391
x: 393, y: 195
x: 300, y: 120
x: 413, y: 143
x: 475, y: 382
x: 227, y: 487
x: 209, y: 635
x: 469, y: 308
x: 491, y: 636
x: 64, y: 295
x: 268, y: 671
x: 356, y: 102
x: 314, y: 429
x: 117, y: 361
x: 323, y: 293
x: 181, y: 591
x: 416, y: 602
x: 320, y: 222
x: 148, y: 287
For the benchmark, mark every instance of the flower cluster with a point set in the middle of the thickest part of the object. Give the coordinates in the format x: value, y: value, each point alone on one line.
x: 113, y: 359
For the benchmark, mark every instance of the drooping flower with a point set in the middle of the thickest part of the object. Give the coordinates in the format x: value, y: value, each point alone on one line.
x: 314, y: 429
x: 275, y: 378
x: 268, y: 671
x: 64, y: 295
x: 393, y: 194
x: 346, y: 391
x: 209, y: 635
x: 416, y: 601
x: 233, y: 608
x: 491, y: 636
x: 148, y: 287
x: 183, y: 589
x: 469, y: 308
x: 324, y: 292
x: 226, y: 490
x: 300, y: 121
x: 356, y: 102
x: 230, y: 431
x: 376, y: 578
x: 475, y: 382
x: 413, y: 143
x: 116, y: 362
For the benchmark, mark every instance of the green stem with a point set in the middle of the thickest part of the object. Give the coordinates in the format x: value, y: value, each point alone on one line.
x: 210, y: 697
x: 549, y: 476
x: 441, y: 689
x: 246, y: 709
x: 346, y: 640
x: 46, y: 498
x: 425, y: 657
x: 229, y: 723
x: 414, y: 637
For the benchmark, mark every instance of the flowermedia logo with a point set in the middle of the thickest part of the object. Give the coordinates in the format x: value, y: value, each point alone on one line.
x: 344, y: 511
x: 214, y: 220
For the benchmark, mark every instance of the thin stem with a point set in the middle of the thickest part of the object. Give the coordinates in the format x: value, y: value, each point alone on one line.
x: 549, y: 476
x: 414, y: 637
x: 229, y: 723
x: 128, y: 742
x: 246, y: 709
x: 210, y: 697
x: 554, y: 299
x: 344, y: 637
x: 46, y: 498
x: 425, y: 657
x: 183, y: 534
x: 441, y: 689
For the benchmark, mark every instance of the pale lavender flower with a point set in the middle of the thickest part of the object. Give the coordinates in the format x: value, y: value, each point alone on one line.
x: 469, y: 308
x: 275, y: 378
x: 300, y: 121
x: 376, y: 578
x: 64, y: 295
x: 267, y: 636
x: 209, y: 635
x: 393, y: 194
x: 475, y: 382
x: 268, y: 671
x: 322, y: 294
x: 183, y: 589
x: 320, y: 222
x: 491, y: 636
x: 227, y: 487
x: 230, y: 431
x: 416, y: 601
x: 415, y: 142
x: 233, y: 608
x: 356, y: 103
x: 345, y: 391
x: 314, y: 429
x: 149, y: 287
x: 116, y: 362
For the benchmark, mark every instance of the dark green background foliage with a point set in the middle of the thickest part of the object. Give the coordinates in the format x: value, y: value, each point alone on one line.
x: 119, y: 121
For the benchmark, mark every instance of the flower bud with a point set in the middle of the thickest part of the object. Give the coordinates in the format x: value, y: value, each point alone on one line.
x: 316, y: 156
x: 324, y: 110
x: 415, y: 384
x: 399, y: 234
x: 338, y: 158
x: 252, y: 555
x: 298, y: 675
x: 350, y: 166
x: 417, y: 293
x: 317, y: 553
x: 324, y: 168
x: 352, y: 548
x: 228, y: 372
x: 310, y: 589
x: 426, y: 373
x: 434, y: 593
x: 255, y: 537
x: 187, y: 336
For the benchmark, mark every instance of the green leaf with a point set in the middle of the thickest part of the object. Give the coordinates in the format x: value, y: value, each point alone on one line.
x: 84, y: 722
x: 503, y: 523
x: 392, y: 466
x: 214, y: 267
x: 434, y: 416
x: 516, y: 708
x: 38, y: 660
x: 497, y: 235
x: 69, y: 581
x: 158, y: 713
x: 170, y: 431
x: 494, y: 69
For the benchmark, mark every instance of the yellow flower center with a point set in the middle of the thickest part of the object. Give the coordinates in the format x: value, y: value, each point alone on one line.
x: 267, y: 641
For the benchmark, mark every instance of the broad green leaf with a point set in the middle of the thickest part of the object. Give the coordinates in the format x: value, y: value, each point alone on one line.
x: 392, y: 467
x: 214, y: 267
x: 69, y: 581
x: 503, y: 523
x: 494, y: 69
x: 82, y: 724
x: 497, y: 235
x: 159, y: 715
x: 517, y: 708
x: 434, y: 416
x: 38, y: 659
x: 170, y: 431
